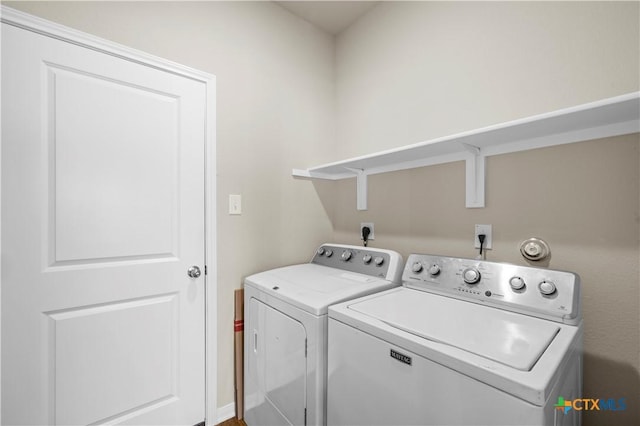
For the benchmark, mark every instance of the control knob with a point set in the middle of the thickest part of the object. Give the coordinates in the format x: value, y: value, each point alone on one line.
x: 346, y: 255
x: 516, y: 283
x: 366, y: 258
x: 417, y: 267
x: 471, y: 275
x: 378, y: 260
x: 320, y: 251
x: 434, y: 270
x: 328, y: 252
x: 547, y: 287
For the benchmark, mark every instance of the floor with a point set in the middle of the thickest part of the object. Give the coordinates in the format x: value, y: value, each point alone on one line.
x: 233, y: 422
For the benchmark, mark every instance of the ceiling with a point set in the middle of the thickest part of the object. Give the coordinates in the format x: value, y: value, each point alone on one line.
x: 330, y: 16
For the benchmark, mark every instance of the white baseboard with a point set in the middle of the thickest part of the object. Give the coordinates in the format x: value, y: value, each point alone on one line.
x: 226, y: 412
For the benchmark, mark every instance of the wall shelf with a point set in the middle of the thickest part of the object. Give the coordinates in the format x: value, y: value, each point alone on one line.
x: 615, y: 116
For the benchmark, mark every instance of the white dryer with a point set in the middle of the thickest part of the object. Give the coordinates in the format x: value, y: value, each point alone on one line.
x: 462, y: 342
x: 285, y: 350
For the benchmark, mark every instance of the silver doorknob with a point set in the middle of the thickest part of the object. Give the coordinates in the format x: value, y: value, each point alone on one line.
x: 193, y: 272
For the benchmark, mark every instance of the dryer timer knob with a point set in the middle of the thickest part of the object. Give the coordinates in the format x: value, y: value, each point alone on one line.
x: 346, y: 255
x: 378, y: 260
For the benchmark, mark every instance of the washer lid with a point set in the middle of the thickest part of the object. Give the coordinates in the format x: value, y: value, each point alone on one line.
x: 511, y: 339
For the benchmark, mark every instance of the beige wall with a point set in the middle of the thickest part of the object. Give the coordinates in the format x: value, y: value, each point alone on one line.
x: 275, y: 94
x: 407, y: 72
x: 412, y: 71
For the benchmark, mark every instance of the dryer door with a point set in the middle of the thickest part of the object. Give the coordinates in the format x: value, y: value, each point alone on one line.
x: 277, y: 365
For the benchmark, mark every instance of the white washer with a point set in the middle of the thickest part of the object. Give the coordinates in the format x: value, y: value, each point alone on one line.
x: 462, y: 342
x: 285, y: 358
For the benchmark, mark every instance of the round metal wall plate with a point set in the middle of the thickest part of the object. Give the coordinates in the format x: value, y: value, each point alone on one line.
x: 534, y: 249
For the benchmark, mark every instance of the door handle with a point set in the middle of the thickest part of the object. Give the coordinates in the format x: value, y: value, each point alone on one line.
x: 193, y: 272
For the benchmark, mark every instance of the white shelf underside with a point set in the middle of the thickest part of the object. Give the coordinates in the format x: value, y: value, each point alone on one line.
x: 606, y: 118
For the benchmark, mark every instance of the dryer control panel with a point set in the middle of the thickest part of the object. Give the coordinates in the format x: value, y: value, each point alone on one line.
x: 544, y: 293
x: 386, y: 264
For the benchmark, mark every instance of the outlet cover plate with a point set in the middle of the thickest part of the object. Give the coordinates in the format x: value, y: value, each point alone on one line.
x: 488, y: 241
x: 372, y: 235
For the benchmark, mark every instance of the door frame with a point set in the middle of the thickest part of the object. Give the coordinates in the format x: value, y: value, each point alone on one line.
x: 50, y: 29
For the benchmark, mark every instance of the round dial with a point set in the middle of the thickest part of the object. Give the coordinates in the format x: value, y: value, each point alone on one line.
x: 417, y: 267
x: 516, y: 283
x: 366, y: 258
x: 378, y: 260
x: 320, y: 251
x: 434, y: 270
x: 346, y: 255
x: 547, y: 287
x: 471, y: 275
x: 328, y: 252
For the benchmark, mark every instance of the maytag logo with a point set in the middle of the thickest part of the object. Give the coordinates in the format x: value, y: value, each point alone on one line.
x: 400, y: 357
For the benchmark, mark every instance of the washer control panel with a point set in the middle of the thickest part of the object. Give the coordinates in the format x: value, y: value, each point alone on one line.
x: 540, y: 292
x: 379, y: 263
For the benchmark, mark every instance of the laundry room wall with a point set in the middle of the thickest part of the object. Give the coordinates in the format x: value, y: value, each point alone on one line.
x: 404, y: 73
x: 413, y: 71
x: 275, y: 111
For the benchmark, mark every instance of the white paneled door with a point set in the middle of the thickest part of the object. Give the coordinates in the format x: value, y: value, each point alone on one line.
x: 103, y: 214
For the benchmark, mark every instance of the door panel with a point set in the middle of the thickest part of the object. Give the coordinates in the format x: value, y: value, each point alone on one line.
x: 116, y: 173
x: 103, y: 176
x: 134, y: 369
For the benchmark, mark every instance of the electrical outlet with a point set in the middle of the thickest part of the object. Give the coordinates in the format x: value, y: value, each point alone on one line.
x: 370, y: 225
x: 488, y: 240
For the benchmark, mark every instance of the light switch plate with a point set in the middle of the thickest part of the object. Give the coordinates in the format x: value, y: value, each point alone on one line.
x: 235, y: 204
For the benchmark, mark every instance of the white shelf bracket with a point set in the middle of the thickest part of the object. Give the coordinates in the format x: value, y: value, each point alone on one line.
x: 361, y: 188
x: 474, y: 164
